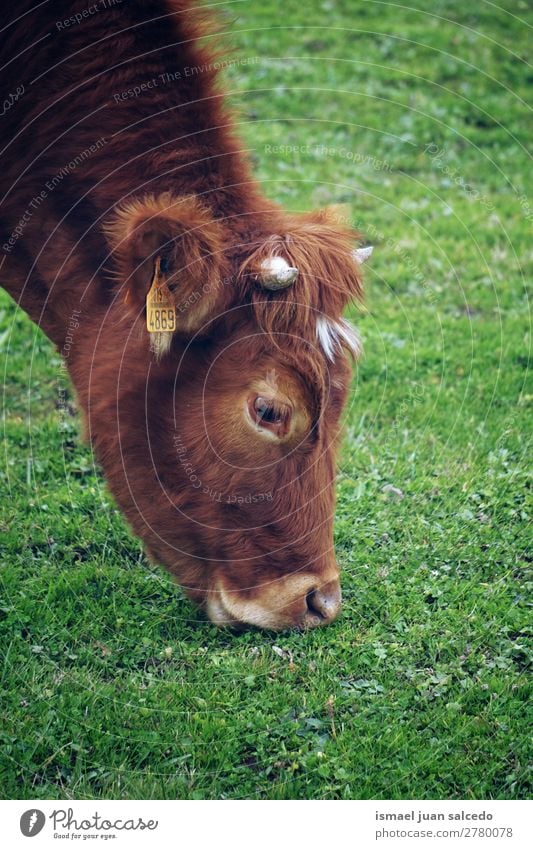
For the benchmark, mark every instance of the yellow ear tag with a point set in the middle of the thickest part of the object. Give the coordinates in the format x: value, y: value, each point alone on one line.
x: 160, y: 313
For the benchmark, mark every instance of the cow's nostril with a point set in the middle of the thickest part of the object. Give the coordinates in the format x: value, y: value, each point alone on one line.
x: 314, y: 605
x: 324, y: 603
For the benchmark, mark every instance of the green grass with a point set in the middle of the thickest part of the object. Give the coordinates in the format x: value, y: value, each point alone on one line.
x: 112, y: 686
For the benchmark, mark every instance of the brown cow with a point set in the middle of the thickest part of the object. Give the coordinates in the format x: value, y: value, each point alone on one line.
x: 214, y: 408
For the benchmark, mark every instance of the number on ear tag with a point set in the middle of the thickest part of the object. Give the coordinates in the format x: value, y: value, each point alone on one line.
x: 160, y: 313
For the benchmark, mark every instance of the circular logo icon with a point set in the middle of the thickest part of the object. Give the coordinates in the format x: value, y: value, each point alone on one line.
x: 32, y: 822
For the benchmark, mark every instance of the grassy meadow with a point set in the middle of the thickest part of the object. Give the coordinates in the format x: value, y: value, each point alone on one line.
x: 112, y: 684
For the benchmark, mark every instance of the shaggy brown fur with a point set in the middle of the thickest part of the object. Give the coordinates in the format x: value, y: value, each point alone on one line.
x: 96, y: 181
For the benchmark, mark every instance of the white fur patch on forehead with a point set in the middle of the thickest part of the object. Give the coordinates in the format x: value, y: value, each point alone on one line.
x: 334, y: 335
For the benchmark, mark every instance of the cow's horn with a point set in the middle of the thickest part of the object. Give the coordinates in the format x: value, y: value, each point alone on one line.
x: 276, y: 273
x: 362, y: 254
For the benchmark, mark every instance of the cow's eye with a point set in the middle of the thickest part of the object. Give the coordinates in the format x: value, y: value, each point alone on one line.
x: 266, y: 411
x: 270, y: 414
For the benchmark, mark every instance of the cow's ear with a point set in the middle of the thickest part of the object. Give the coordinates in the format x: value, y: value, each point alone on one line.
x: 178, y: 234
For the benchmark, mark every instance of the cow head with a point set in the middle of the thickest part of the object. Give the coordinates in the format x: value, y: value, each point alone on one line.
x: 244, y: 409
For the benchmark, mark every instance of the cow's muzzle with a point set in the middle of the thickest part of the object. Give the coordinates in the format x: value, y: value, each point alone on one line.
x: 298, y: 601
